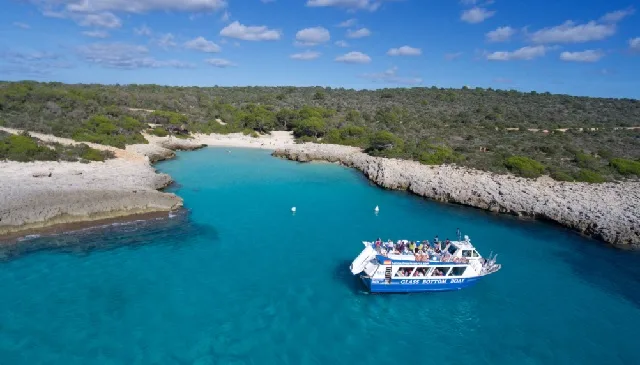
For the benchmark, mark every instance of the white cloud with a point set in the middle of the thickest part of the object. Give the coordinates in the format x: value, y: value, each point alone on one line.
x: 360, y: 33
x: 371, y: 5
x: 166, y: 41
x: 31, y: 63
x: 101, y: 13
x: 220, y: 62
x: 348, y: 23
x: 250, y: 33
x: 137, y: 6
x: 104, y: 19
x: 354, y: 57
x: 342, y: 44
x: 404, y: 51
x: 124, y: 55
x: 524, y: 53
x: 584, y: 56
x: 391, y: 76
x: 202, y: 44
x: 305, y: 56
x: 143, y: 30
x: 570, y: 32
x: 476, y: 15
x: 96, y: 33
x: 634, y: 44
x: 616, y: 16
x: 452, y: 56
x: 502, y: 34
x: 312, y: 36
x: 21, y: 25
x: 225, y: 16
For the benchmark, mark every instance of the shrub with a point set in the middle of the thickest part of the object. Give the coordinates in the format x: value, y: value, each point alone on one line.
x: 24, y: 148
x: 590, y: 176
x: 384, y: 140
x: 560, y: 175
x: 118, y: 133
x: 626, y: 167
x: 310, y: 127
x: 524, y: 166
x: 437, y: 155
x: 92, y: 154
x: 586, y: 161
x: 159, y: 131
x: 348, y: 135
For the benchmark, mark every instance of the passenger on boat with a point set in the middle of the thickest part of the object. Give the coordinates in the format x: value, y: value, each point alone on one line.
x: 412, y: 247
x: 389, y: 245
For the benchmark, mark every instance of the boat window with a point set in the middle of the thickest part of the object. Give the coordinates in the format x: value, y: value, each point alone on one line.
x: 475, y: 254
x: 452, y: 249
x: 421, y: 271
x: 457, y: 271
x: 440, y: 271
x: 404, y: 271
x: 466, y: 253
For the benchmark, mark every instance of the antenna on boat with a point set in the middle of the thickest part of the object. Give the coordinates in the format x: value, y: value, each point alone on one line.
x: 459, y: 234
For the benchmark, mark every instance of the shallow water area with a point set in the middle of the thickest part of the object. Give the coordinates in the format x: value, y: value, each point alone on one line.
x: 240, y: 279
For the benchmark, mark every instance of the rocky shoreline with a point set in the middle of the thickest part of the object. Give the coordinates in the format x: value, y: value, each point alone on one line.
x: 609, y: 212
x: 40, y: 195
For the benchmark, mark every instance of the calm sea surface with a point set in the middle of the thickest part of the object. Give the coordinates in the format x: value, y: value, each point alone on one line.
x: 239, y: 279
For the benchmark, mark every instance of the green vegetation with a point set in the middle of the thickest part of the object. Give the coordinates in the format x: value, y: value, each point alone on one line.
x: 159, y: 131
x: 626, y: 167
x: 590, y: 176
x: 113, y: 132
x: 438, y: 155
x: 469, y: 127
x: 24, y: 148
x: 524, y: 166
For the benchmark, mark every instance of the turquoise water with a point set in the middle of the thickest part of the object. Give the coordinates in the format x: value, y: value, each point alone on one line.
x: 241, y: 280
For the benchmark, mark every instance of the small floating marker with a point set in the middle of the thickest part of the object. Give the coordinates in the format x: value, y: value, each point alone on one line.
x: 293, y: 209
x: 377, y: 209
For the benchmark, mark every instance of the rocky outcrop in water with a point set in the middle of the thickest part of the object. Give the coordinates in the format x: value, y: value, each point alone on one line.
x: 75, y: 192
x: 609, y: 212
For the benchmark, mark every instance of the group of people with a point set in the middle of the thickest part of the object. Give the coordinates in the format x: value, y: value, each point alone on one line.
x: 422, y: 250
x: 404, y: 247
x: 421, y: 271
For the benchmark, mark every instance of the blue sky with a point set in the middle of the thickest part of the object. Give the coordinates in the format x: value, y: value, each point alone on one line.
x: 584, y: 47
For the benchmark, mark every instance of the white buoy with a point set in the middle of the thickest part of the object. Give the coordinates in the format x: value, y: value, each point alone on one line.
x: 293, y: 209
x: 377, y: 209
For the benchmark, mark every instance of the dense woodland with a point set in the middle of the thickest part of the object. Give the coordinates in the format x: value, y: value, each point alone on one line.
x: 469, y: 127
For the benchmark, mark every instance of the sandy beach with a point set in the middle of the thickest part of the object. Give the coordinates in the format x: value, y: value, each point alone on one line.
x: 275, y: 140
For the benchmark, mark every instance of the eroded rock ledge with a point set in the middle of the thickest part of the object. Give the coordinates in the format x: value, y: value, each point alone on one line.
x: 609, y: 212
x: 37, y: 195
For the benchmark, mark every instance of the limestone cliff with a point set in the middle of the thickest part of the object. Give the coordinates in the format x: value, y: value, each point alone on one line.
x: 609, y: 212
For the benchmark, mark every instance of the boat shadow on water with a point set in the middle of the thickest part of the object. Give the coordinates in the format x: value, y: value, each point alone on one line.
x: 177, y: 230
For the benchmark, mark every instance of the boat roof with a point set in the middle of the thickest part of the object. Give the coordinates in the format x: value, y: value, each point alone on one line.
x: 465, y: 245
